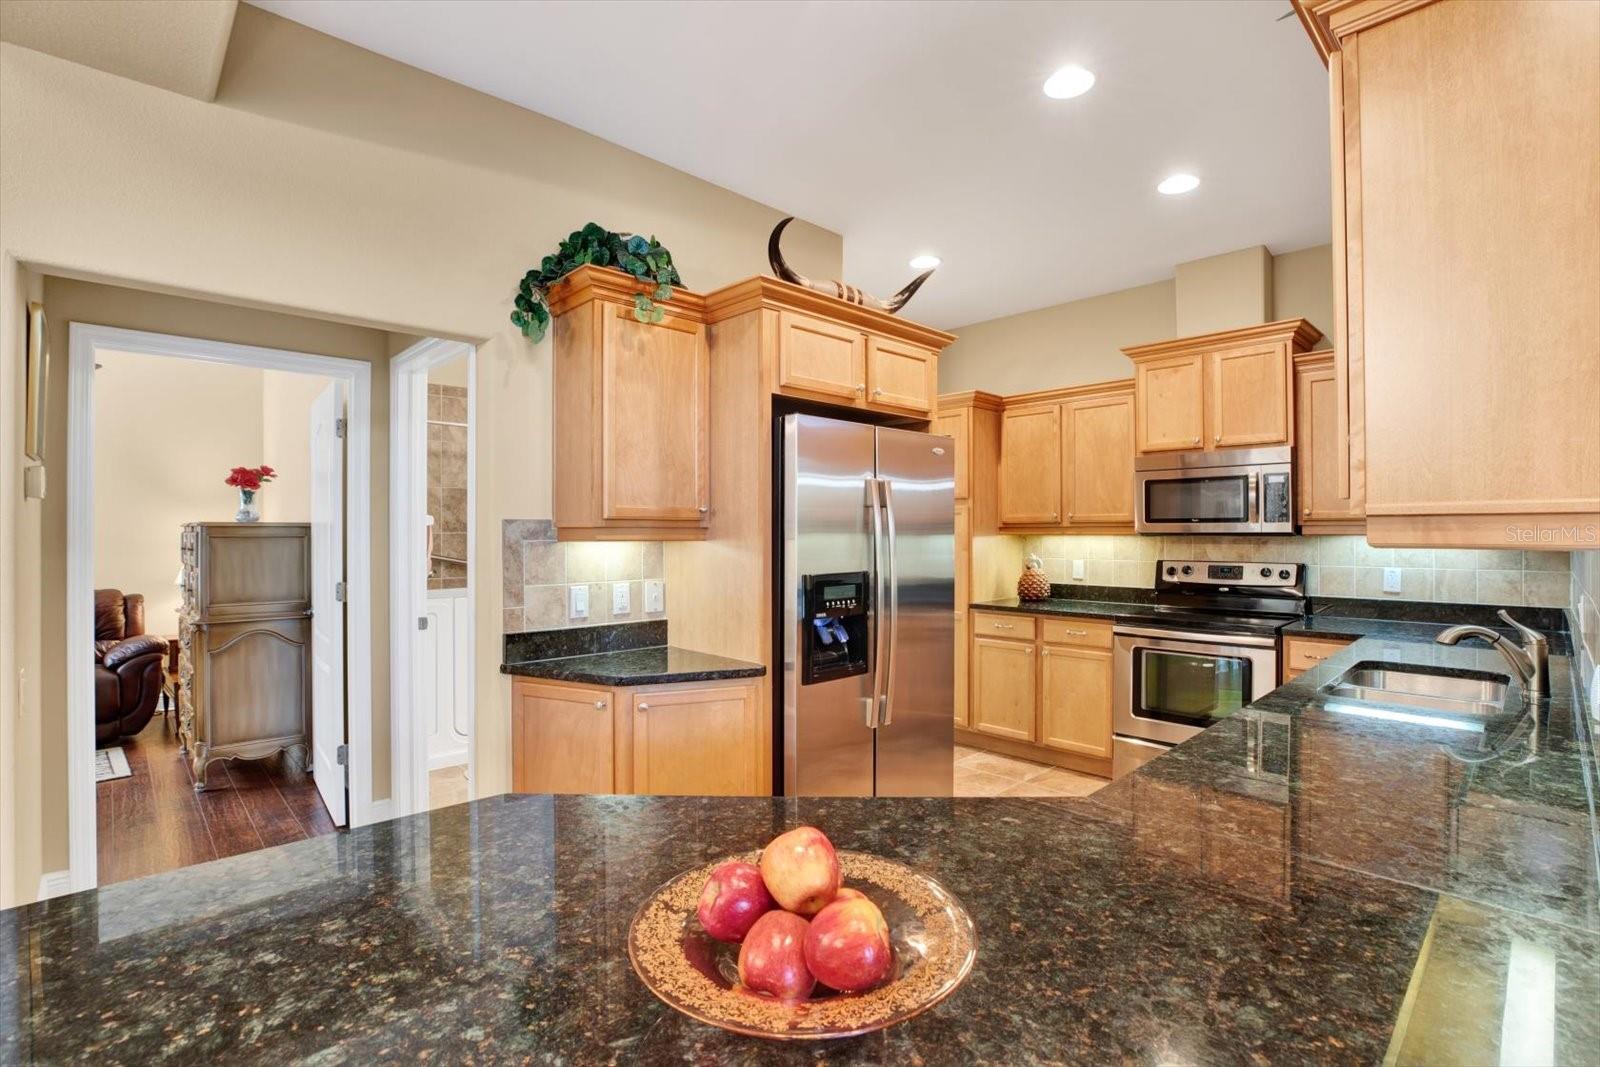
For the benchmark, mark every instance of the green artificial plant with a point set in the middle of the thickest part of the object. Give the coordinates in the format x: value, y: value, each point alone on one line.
x: 644, y: 258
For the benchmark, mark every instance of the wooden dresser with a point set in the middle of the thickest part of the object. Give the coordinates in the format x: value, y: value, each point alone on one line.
x: 244, y: 656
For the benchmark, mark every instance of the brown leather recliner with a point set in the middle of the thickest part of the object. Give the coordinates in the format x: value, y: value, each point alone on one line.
x: 129, y: 666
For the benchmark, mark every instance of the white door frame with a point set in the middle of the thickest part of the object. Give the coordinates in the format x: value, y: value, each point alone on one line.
x: 86, y: 340
x: 408, y: 586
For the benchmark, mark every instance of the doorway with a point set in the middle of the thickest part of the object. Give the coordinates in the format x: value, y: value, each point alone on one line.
x: 433, y: 584
x: 332, y: 439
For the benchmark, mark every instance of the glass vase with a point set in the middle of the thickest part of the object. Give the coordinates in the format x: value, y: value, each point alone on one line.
x: 249, y: 506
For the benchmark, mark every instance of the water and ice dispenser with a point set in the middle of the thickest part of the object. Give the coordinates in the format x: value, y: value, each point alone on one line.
x: 834, y: 630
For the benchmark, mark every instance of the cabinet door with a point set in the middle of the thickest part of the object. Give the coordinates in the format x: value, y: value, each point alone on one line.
x: 1249, y: 395
x: 1030, y: 466
x: 1004, y: 699
x: 1075, y: 700
x: 899, y: 376
x: 963, y: 599
x: 655, y: 410
x: 958, y: 426
x: 1098, y: 486
x: 1169, y: 403
x: 697, y: 742
x: 821, y: 358
x: 562, y: 739
x: 1319, y: 452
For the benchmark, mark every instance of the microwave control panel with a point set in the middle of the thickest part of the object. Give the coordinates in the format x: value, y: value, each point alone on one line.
x: 1275, y: 503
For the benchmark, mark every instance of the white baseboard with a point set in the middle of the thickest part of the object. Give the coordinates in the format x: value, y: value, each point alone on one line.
x: 54, y: 884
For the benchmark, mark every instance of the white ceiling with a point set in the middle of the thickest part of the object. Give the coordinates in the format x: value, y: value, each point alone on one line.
x: 913, y: 127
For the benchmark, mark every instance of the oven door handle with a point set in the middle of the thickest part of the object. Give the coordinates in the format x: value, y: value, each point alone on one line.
x: 1176, y: 639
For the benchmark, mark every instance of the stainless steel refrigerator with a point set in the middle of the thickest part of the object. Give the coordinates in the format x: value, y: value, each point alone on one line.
x: 866, y: 547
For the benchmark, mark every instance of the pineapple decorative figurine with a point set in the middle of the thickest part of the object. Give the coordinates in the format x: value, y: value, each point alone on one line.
x: 1033, y: 585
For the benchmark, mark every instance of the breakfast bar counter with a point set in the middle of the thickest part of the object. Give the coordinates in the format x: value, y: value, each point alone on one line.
x: 1293, y: 886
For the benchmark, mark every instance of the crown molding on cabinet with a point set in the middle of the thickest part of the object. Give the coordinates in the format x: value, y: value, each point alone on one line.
x: 766, y: 292
x: 1299, y: 334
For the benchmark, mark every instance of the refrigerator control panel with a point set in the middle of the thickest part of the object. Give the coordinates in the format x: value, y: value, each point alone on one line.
x: 834, y: 626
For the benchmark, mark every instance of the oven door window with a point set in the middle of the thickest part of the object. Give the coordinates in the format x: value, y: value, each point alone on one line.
x: 1223, y: 498
x: 1188, y: 688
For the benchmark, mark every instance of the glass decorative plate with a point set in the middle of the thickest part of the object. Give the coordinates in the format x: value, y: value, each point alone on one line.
x: 933, y: 937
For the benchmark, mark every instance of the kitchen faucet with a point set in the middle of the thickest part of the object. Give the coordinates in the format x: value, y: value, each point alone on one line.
x: 1531, y: 659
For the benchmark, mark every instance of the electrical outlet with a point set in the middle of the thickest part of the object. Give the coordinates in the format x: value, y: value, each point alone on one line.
x: 619, y: 599
x: 655, y: 596
x: 1077, y: 570
x: 578, y: 602
x: 1391, y: 579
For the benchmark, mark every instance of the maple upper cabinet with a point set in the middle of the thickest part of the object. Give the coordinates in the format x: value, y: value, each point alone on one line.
x: 901, y: 376
x: 1320, y: 449
x: 1097, y: 463
x: 821, y: 358
x: 1232, y: 389
x: 632, y: 413
x: 1030, y: 465
x: 1466, y: 185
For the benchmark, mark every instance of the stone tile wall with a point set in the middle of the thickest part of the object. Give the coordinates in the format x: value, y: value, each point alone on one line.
x: 539, y: 570
x: 447, y: 485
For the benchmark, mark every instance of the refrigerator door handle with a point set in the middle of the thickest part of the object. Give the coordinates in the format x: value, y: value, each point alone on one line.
x: 879, y: 629
x: 887, y: 714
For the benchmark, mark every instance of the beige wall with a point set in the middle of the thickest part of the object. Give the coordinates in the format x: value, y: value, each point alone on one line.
x: 1302, y: 288
x: 286, y: 399
x: 1223, y: 292
x: 153, y: 416
x: 335, y: 184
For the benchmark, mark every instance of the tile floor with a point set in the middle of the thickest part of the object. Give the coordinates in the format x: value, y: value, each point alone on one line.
x: 989, y: 774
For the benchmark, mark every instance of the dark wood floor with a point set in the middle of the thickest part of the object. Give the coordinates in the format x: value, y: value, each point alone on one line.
x: 154, y: 821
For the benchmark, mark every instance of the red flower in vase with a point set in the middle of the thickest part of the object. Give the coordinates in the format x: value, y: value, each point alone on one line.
x: 251, y: 478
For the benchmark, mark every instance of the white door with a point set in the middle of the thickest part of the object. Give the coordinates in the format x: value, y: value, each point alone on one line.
x: 327, y: 607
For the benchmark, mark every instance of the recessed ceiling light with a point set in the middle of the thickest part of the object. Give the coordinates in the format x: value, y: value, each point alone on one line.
x: 1174, y: 184
x: 1068, y: 82
x: 925, y: 262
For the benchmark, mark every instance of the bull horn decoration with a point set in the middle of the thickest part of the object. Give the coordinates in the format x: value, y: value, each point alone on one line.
x: 848, y: 293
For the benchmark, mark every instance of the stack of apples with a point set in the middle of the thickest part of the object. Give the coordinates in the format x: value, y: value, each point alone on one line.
x: 795, y: 925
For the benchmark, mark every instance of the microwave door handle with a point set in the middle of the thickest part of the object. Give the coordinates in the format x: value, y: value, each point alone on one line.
x: 1253, y: 507
x: 879, y: 633
x: 886, y: 715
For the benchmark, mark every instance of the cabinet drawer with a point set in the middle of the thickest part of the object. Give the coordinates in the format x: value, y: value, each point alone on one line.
x: 1089, y: 633
x: 1016, y: 627
x: 1303, y: 653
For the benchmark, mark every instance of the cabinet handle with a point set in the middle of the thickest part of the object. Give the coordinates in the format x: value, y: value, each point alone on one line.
x: 877, y: 392
x: 1306, y: 512
x: 1003, y: 626
x: 1077, y: 633
x: 600, y: 705
x: 643, y: 706
x: 860, y: 389
x: 1044, y: 652
x: 704, y: 508
x: 1069, y: 516
x: 1055, y: 516
x: 1197, y: 440
x: 1217, y: 440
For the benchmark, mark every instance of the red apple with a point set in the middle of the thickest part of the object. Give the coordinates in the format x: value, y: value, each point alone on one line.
x: 733, y: 899
x: 847, y: 946
x: 773, y: 957
x: 801, y: 870
x: 846, y: 893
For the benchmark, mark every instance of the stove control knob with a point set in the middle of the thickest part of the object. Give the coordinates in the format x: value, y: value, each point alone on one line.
x: 1266, y: 572
x: 1171, y: 571
x: 1188, y: 569
x: 1284, y: 574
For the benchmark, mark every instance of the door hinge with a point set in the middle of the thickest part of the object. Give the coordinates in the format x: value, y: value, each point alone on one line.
x: 338, y: 592
x: 342, y: 755
x: 422, y: 622
x: 339, y: 426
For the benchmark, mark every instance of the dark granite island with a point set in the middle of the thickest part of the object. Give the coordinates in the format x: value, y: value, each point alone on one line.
x: 1294, y: 886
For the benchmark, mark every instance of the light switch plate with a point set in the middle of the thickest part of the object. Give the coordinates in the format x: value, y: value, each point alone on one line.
x: 1391, y: 579
x: 578, y: 602
x: 619, y: 599
x: 655, y: 596
x: 1077, y: 570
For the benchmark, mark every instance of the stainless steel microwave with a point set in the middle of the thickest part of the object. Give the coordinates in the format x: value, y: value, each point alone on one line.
x: 1229, y: 491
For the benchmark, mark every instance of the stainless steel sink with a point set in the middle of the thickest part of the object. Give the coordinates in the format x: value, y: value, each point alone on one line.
x: 1478, y: 696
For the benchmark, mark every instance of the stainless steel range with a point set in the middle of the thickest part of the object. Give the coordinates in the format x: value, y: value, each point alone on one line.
x: 1209, y: 648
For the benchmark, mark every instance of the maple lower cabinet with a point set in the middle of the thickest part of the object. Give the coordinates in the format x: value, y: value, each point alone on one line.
x: 821, y: 358
x: 1171, y: 414
x: 1320, y: 450
x: 1004, y: 691
x: 1030, y: 466
x: 697, y: 741
x: 1469, y: 404
x: 690, y: 738
x: 1075, y: 699
x: 1097, y: 459
x: 632, y: 413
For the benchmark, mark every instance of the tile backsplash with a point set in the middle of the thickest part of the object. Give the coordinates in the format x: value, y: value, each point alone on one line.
x: 1336, y: 566
x: 539, y: 570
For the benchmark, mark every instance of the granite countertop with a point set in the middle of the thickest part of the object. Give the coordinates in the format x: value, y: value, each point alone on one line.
x: 638, y: 666
x: 1302, y: 883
